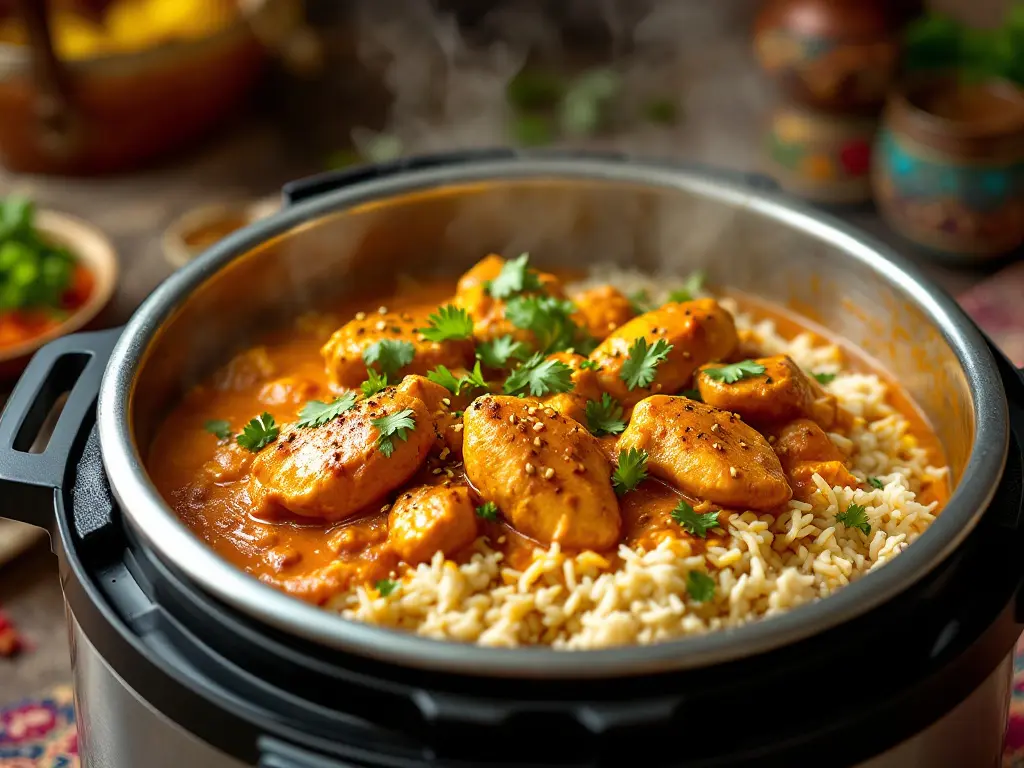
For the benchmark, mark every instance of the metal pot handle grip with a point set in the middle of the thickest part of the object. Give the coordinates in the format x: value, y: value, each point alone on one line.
x: 322, y: 183
x: 74, y: 366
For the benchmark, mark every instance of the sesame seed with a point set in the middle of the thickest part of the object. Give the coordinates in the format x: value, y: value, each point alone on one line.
x: 382, y: 310
x: 538, y: 427
x: 742, y: 444
x: 537, y: 442
x: 446, y: 400
x: 381, y: 325
x: 436, y: 471
x: 716, y: 446
x: 715, y: 427
x: 449, y: 473
x: 532, y: 411
x: 656, y: 387
x: 580, y: 468
x: 686, y: 354
x: 530, y: 469
x: 733, y: 472
x: 549, y: 473
x: 360, y: 315
x: 501, y: 539
x: 771, y: 438
x: 549, y: 412
x: 512, y: 418
x: 444, y: 454
x: 456, y: 427
x: 385, y: 508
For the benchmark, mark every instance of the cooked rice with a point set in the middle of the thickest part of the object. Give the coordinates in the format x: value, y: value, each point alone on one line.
x: 768, y: 566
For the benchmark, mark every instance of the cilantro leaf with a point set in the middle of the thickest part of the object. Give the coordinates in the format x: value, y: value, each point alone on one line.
x: 218, y: 427
x: 488, y: 511
x: 700, y: 586
x: 604, y: 416
x: 590, y: 365
x: 441, y: 375
x: 390, y: 354
x: 641, y: 301
x: 874, y: 482
x: 497, y: 353
x: 385, y: 587
x: 824, y: 378
x: 548, y: 318
x: 475, y: 378
x: 692, y: 394
x: 855, y: 516
x: 515, y: 277
x: 734, y: 372
x: 316, y: 414
x: 691, y: 522
x: 374, y: 383
x: 449, y: 323
x: 541, y: 376
x: 639, y: 368
x: 632, y: 470
x: 258, y: 433
x: 693, y: 285
x: 396, y: 425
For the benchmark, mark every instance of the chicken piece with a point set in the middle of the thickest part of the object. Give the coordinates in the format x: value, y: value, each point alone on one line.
x: 244, y: 370
x: 699, y: 331
x: 602, y: 310
x: 779, y: 395
x: 488, y: 313
x: 230, y: 462
x: 585, y: 387
x: 289, y: 390
x: 545, y: 472
x: 343, y: 352
x: 804, y: 449
x: 429, y: 519
x: 447, y: 426
x: 332, y: 472
x: 706, y: 453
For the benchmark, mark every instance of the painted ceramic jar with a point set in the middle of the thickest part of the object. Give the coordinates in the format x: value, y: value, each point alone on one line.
x: 821, y: 157
x: 837, y: 55
x: 948, y: 171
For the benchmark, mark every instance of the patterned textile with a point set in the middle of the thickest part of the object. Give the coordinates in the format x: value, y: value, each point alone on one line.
x: 40, y: 733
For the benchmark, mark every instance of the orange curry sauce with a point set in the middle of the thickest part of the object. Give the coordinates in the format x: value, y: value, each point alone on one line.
x: 202, y: 480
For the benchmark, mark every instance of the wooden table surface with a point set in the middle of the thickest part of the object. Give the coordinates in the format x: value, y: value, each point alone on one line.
x: 250, y: 160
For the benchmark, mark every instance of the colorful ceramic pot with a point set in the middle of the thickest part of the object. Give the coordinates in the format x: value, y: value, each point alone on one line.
x: 949, y: 165
x: 821, y: 157
x: 838, y: 55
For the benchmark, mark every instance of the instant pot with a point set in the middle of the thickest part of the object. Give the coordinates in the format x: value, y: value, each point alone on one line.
x: 182, y: 660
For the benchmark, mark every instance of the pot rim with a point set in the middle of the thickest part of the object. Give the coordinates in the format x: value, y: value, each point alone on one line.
x: 159, y: 528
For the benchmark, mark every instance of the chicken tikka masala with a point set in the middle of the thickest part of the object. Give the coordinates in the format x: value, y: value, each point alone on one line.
x: 511, y: 460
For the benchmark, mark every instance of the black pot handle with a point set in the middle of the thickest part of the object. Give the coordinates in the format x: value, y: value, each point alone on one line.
x: 277, y: 754
x: 72, y: 365
x: 321, y: 183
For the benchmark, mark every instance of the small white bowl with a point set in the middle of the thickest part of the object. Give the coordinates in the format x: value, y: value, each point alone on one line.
x: 94, y: 251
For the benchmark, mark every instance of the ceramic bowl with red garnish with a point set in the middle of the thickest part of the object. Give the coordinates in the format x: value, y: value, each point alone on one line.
x: 56, y: 274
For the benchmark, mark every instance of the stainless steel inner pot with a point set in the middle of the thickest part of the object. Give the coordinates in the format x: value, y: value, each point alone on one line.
x: 568, y: 213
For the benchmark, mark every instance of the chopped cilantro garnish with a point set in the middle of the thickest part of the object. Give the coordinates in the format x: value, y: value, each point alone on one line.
x: 700, y: 586
x: 692, y: 394
x: 540, y: 376
x: 374, y: 383
x: 632, y: 470
x: 824, y: 378
x: 316, y: 414
x: 855, y: 516
x: 734, y: 372
x: 515, y: 277
x: 693, y: 285
x: 548, y: 318
x: 497, y: 353
x: 590, y: 365
x: 441, y: 375
x: 639, y: 368
x: 691, y: 522
x: 258, y: 433
x: 604, y: 416
x: 458, y: 414
x: 390, y: 354
x: 385, y: 587
x: 218, y: 427
x: 488, y: 511
x: 874, y: 482
x: 449, y: 323
x: 388, y: 427
x: 475, y: 378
